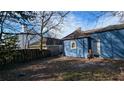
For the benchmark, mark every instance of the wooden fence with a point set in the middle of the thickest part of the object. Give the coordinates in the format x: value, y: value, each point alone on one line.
x: 23, y: 55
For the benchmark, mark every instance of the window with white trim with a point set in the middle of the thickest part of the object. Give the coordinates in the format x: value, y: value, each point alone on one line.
x: 73, y: 44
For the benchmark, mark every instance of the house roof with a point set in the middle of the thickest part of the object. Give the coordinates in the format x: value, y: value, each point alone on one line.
x: 76, y: 34
x: 81, y: 34
x: 48, y: 40
x: 105, y: 29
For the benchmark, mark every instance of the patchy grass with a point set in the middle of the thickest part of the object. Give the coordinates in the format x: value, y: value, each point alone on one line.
x: 67, y: 69
x: 86, y: 76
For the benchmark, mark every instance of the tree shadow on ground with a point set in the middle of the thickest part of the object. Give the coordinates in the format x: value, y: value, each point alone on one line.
x: 51, y: 69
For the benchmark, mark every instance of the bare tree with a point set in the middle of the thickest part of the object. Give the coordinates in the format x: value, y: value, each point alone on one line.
x: 3, y: 16
x: 48, y: 21
x: 110, y: 14
x: 9, y: 17
x: 119, y: 14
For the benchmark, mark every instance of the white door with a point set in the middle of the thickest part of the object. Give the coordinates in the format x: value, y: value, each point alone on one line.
x: 96, y: 47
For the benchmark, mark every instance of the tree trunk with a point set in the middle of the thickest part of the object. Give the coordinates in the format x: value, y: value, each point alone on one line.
x: 41, y: 37
x: 1, y: 36
x: 1, y: 33
x: 41, y: 43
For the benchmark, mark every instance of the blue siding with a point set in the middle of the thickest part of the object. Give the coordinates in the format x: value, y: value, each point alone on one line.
x: 112, y: 44
x: 81, y: 48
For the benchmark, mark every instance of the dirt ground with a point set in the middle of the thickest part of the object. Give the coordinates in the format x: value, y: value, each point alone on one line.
x: 65, y: 68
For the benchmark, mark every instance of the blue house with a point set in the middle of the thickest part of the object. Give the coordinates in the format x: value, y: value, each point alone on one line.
x: 107, y: 42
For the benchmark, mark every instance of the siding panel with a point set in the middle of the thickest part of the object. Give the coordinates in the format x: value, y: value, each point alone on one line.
x: 80, y: 51
x: 112, y: 44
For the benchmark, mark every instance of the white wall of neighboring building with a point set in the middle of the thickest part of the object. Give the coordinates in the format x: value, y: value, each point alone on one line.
x: 23, y: 39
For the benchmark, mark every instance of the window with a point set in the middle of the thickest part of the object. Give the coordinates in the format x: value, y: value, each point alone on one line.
x: 73, y: 44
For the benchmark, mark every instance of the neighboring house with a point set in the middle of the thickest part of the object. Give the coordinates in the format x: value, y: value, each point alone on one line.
x: 52, y: 44
x: 25, y: 39
x: 107, y: 42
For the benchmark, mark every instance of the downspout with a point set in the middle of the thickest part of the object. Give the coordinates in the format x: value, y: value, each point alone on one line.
x: 98, y: 47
